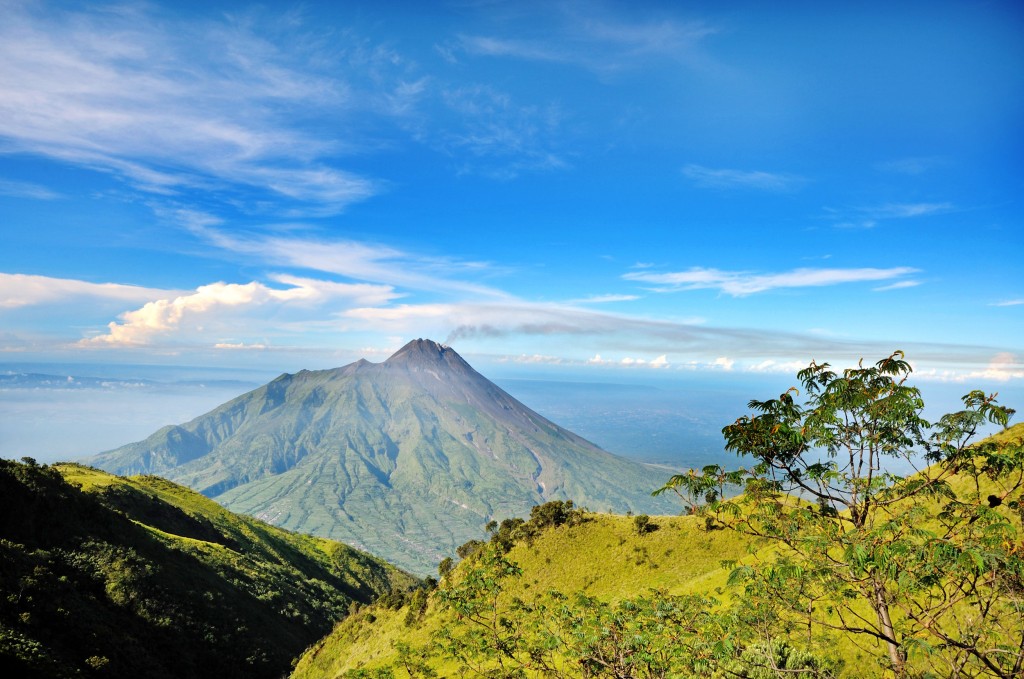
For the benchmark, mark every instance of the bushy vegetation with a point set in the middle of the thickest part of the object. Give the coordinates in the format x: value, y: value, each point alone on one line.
x: 827, y: 564
x: 923, y: 573
x: 112, y: 577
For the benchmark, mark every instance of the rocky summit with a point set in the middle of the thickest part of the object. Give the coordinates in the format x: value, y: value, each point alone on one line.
x: 407, y: 459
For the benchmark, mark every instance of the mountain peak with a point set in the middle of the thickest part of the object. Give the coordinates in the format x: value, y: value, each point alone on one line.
x: 424, y: 353
x: 406, y: 458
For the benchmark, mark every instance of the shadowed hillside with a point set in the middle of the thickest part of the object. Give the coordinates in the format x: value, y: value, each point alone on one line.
x: 114, y: 577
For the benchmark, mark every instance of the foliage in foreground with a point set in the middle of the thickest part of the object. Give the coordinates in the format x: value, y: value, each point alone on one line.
x: 572, y: 594
x: 141, y: 577
x: 924, y: 572
x: 852, y: 570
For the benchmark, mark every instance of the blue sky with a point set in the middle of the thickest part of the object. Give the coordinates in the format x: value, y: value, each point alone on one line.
x: 695, y: 186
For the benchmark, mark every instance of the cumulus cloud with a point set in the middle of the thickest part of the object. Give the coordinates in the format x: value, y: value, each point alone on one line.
x: 214, y: 303
x: 723, y: 362
x: 20, y: 290
x: 1003, y: 367
x: 630, y: 362
x: 740, y: 283
x: 773, y: 366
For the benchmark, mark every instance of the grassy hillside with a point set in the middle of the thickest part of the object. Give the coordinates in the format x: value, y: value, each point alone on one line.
x: 604, y: 557
x: 605, y: 569
x: 108, y: 576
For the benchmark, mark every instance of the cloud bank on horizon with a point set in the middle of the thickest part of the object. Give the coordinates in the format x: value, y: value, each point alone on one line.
x: 568, y: 184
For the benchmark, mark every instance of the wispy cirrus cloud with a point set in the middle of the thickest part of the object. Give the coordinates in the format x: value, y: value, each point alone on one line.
x: 914, y: 165
x: 1009, y: 302
x: 740, y: 283
x: 603, y: 299
x: 907, y: 210
x: 759, y: 180
x: 869, y: 217
x: 170, y: 103
x: 496, y: 136
x: 357, y: 260
x: 27, y: 190
x: 588, y: 38
x: 898, y: 285
x: 23, y: 290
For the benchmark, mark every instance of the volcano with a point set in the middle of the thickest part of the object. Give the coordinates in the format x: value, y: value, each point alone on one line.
x: 406, y: 459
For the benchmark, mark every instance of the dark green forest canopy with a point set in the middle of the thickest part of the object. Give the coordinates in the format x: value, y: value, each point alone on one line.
x: 106, y: 576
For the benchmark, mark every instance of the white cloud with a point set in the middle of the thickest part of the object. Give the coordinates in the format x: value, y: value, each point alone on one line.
x: 169, y: 103
x: 603, y: 299
x: 20, y: 290
x: 773, y: 366
x: 1003, y: 367
x: 723, y: 362
x: 239, y: 346
x: 740, y: 283
x: 352, y: 259
x: 745, y: 179
x: 899, y: 285
x: 402, y: 313
x: 630, y: 362
x: 27, y: 190
x: 534, y: 359
x: 1009, y: 302
x: 577, y: 34
x: 498, y: 137
x: 214, y: 304
x: 869, y: 217
x: 908, y: 210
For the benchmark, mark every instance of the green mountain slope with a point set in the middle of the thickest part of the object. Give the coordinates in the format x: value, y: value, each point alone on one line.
x: 406, y: 459
x: 604, y: 557
x: 603, y: 571
x: 131, y: 577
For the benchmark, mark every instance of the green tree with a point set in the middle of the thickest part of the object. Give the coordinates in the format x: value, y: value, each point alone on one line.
x: 925, y: 567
